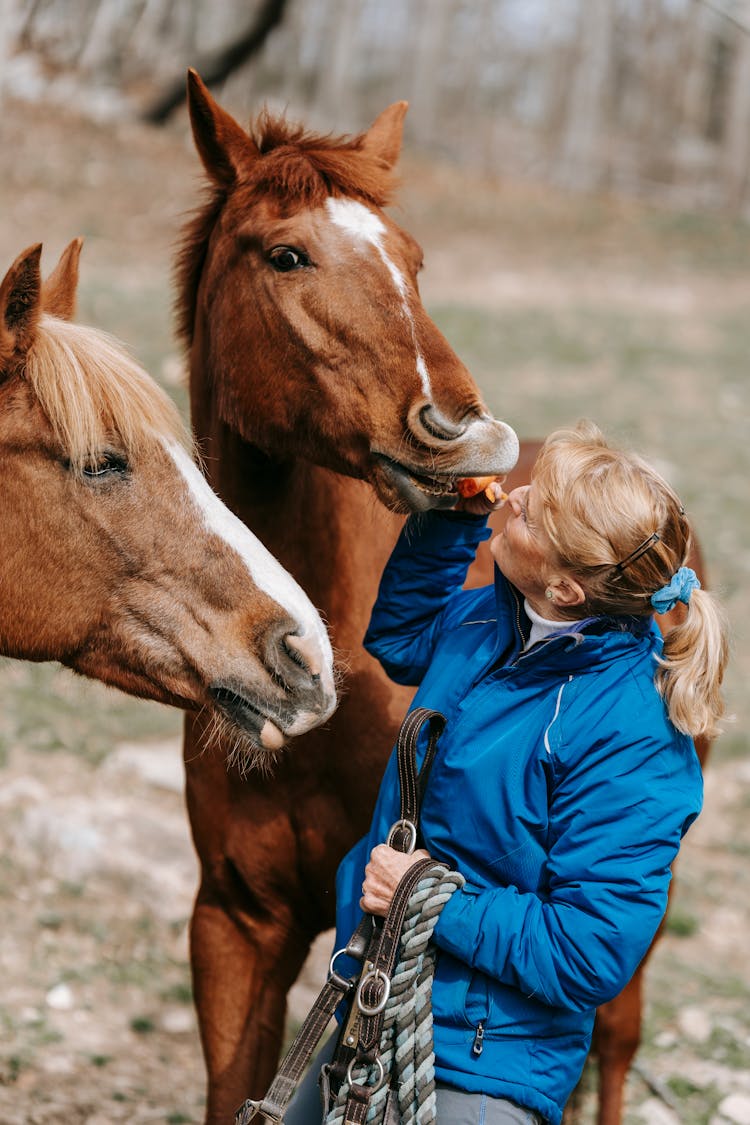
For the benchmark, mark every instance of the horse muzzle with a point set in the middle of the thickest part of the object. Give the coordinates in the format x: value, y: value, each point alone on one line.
x: 428, y: 478
x: 293, y: 693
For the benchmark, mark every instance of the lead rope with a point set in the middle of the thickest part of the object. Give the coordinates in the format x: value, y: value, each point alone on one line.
x: 417, y: 902
x: 406, y: 1047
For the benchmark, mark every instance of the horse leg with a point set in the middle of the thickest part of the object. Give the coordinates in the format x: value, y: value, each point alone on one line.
x: 247, y: 942
x: 617, y: 1035
x: 240, y: 994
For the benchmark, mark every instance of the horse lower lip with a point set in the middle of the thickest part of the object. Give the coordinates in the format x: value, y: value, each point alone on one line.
x: 240, y: 710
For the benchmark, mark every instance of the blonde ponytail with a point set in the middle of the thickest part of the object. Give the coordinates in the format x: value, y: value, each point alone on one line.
x: 692, y: 667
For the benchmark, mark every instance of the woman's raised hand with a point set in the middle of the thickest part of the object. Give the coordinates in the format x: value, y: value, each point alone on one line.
x: 485, y: 500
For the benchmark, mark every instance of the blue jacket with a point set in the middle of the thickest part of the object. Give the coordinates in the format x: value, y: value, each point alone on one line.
x: 560, y: 790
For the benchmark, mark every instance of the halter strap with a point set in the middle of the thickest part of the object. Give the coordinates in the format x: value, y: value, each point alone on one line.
x: 404, y: 833
x: 375, y: 943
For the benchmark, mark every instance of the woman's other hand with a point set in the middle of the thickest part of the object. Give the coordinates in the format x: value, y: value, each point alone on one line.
x: 383, y: 874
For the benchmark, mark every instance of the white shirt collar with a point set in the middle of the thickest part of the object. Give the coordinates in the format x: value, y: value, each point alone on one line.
x: 542, y: 627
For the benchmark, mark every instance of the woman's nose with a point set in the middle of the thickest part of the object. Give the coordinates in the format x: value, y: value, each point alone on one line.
x: 516, y: 498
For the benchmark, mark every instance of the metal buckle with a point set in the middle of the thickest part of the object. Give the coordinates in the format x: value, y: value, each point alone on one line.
x: 373, y: 1010
x: 378, y: 1081
x: 247, y: 1111
x: 404, y: 825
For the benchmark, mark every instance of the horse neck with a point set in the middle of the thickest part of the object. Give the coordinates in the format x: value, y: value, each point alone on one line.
x: 328, y: 530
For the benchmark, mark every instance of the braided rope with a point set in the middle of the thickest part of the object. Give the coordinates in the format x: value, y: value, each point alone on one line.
x: 406, y: 1043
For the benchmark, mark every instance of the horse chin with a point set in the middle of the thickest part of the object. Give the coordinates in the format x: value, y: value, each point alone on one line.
x: 405, y: 491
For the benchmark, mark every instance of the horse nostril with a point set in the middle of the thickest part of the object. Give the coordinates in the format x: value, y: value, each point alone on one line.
x: 438, y: 426
x: 292, y: 652
x: 305, y: 654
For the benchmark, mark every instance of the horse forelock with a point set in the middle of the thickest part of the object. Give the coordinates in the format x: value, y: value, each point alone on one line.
x: 298, y: 170
x: 92, y: 391
x: 297, y: 165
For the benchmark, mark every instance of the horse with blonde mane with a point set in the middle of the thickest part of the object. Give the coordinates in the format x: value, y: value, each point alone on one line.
x: 118, y: 560
x: 327, y: 405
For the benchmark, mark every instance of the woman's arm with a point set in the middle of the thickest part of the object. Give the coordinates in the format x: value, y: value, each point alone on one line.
x: 618, y: 818
x: 421, y: 590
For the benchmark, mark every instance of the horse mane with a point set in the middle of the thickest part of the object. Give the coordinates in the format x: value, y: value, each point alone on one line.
x: 298, y: 169
x: 92, y: 391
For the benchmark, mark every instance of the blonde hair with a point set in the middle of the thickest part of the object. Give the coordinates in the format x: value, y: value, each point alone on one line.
x: 617, y: 526
x: 90, y: 389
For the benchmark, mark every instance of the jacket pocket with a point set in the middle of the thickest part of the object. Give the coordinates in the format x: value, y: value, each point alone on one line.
x: 460, y: 996
x: 478, y: 1003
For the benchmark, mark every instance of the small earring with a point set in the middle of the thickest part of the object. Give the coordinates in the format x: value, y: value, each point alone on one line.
x: 549, y: 594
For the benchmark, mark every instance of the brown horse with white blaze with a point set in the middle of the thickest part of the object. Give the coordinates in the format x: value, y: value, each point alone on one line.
x: 118, y: 560
x: 318, y: 382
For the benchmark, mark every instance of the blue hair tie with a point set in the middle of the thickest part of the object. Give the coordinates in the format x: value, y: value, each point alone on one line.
x: 678, y: 590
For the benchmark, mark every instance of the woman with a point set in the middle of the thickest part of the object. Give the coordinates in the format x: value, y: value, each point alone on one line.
x: 566, y: 775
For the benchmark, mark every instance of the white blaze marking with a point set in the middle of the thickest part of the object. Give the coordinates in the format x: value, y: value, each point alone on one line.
x: 266, y: 572
x: 364, y: 226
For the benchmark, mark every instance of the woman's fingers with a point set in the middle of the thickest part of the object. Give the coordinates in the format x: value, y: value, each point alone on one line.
x: 383, y: 874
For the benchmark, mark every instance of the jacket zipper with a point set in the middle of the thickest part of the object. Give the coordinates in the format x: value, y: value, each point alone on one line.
x: 478, y: 1046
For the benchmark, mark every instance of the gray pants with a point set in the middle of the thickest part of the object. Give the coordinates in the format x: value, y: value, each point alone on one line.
x: 454, y: 1107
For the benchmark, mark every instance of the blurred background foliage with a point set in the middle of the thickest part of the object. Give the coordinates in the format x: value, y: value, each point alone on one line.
x: 646, y: 97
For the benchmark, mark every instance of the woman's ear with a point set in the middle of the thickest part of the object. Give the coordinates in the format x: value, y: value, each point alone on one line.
x: 566, y: 591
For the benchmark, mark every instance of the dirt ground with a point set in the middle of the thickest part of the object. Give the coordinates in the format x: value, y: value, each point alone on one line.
x: 97, y: 870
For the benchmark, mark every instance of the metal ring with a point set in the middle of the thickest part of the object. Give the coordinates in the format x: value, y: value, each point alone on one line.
x: 378, y: 1081
x: 364, y: 1008
x: 412, y: 828
x: 331, y: 963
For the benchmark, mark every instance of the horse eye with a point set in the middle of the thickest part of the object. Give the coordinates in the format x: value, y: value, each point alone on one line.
x: 285, y: 258
x: 108, y: 464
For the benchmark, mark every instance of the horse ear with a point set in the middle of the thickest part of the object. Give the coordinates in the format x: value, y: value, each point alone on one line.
x: 20, y: 305
x: 222, y: 144
x: 383, y: 138
x: 59, y: 290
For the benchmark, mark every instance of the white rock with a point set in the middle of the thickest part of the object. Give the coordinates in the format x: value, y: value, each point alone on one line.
x: 60, y: 998
x: 695, y: 1024
x: 177, y: 1021
x: 665, y: 1040
x: 654, y: 1112
x: 736, y: 1108
x: 58, y: 1064
x: 156, y: 763
x: 22, y: 790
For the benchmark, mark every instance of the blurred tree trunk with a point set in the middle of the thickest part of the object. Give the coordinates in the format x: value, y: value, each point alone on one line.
x: 736, y: 154
x: 694, y: 88
x: 218, y: 66
x: 431, y: 23
x: 335, y: 82
x: 580, y: 162
x: 12, y: 18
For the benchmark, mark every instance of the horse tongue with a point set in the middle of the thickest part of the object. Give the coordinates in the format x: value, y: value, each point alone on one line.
x: 270, y: 736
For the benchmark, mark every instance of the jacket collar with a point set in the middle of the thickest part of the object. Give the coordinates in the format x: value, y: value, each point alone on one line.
x: 580, y: 644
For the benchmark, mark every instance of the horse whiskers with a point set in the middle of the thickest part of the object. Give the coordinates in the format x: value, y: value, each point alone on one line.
x: 242, y: 753
x: 341, y: 666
